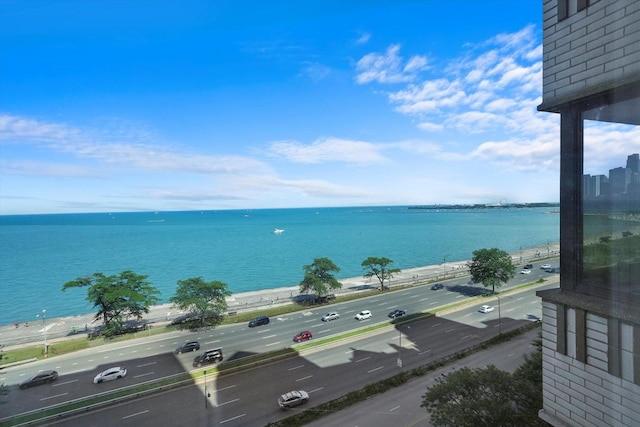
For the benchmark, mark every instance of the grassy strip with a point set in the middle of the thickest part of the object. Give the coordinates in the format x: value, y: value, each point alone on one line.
x: 397, y: 380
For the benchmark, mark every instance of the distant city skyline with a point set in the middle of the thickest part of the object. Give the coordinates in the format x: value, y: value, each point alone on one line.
x: 619, y: 181
x: 118, y: 106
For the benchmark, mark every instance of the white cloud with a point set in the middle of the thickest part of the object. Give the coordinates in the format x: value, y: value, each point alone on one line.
x: 364, y: 38
x: 328, y: 150
x: 388, y: 67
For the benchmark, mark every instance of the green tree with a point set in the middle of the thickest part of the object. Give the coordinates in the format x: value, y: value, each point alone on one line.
x: 117, y: 297
x: 491, y: 267
x: 318, y: 277
x: 478, y: 397
x: 206, y: 300
x: 379, y: 267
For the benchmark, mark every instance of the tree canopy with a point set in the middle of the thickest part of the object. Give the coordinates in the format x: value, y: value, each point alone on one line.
x: 488, y: 396
x: 206, y: 300
x: 318, y: 277
x: 379, y: 267
x: 117, y: 296
x: 491, y: 267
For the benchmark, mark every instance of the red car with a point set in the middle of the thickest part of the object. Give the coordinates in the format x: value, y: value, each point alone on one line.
x: 303, y: 336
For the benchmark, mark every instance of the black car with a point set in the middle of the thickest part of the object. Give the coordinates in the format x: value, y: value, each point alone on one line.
x: 188, y: 346
x: 258, y: 321
x: 437, y: 286
x: 41, y: 377
x: 397, y: 313
x: 208, y: 357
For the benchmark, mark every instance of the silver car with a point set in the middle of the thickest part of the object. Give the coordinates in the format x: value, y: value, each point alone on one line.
x: 330, y: 316
x: 110, y: 374
x: 293, y: 398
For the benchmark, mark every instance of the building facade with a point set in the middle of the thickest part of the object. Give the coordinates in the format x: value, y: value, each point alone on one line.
x: 591, y: 324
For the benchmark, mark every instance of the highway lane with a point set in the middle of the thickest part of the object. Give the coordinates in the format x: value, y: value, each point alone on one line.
x: 249, y: 397
x: 150, y: 358
x: 401, y: 406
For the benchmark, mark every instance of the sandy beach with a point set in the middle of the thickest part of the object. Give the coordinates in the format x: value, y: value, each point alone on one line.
x: 54, y: 329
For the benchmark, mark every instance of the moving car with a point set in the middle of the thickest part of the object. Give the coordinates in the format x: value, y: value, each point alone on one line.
x: 41, y: 377
x: 486, y: 309
x: 188, y: 346
x: 330, y: 316
x: 363, y: 315
x: 550, y: 270
x: 110, y: 374
x: 208, y: 357
x: 293, y: 398
x: 397, y: 313
x: 528, y: 266
x: 258, y: 321
x: 437, y: 286
x: 303, y: 336
x: 525, y: 271
x: 545, y: 266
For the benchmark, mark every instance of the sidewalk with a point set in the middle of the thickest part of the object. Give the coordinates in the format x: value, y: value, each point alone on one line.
x: 56, y: 329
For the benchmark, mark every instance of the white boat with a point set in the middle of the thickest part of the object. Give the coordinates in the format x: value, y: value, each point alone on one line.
x: 278, y: 231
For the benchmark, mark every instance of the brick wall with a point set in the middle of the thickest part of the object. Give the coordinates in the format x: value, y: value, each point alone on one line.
x: 590, y: 50
x: 585, y: 394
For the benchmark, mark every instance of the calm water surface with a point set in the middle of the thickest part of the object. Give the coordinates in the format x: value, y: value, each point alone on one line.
x: 39, y: 253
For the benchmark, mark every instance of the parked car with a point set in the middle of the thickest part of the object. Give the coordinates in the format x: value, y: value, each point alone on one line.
x: 330, y: 316
x: 363, y: 315
x: 486, y: 309
x: 303, y: 336
x: 110, y: 374
x: 188, y: 346
x: 437, y: 286
x: 258, y: 321
x: 42, y: 377
x: 208, y: 357
x: 528, y: 266
x: 550, y: 270
x: 397, y: 313
x: 525, y: 271
x: 545, y: 266
x: 293, y: 398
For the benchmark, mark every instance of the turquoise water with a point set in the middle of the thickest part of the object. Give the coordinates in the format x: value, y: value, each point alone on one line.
x: 39, y: 253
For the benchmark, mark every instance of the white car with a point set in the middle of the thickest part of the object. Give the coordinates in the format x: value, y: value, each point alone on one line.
x: 525, y: 271
x: 293, y: 398
x: 545, y: 266
x: 110, y: 374
x: 330, y: 316
x: 486, y: 309
x: 364, y: 314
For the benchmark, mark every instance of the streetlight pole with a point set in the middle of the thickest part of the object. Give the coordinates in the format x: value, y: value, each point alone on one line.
x: 205, y: 389
x: 44, y: 330
x: 499, y: 318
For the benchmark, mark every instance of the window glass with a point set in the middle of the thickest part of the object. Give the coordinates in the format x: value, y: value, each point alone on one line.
x: 611, y: 201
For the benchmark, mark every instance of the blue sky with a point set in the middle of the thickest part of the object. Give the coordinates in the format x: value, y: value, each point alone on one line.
x: 163, y: 105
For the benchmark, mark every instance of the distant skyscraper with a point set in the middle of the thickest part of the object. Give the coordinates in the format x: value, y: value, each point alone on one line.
x: 633, y: 163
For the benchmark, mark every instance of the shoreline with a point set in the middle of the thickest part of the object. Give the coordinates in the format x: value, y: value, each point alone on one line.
x: 58, y: 327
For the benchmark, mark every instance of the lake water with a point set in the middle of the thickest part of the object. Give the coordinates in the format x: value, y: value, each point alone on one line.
x: 39, y: 253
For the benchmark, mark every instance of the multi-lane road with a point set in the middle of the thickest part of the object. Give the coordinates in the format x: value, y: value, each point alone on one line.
x: 248, y: 397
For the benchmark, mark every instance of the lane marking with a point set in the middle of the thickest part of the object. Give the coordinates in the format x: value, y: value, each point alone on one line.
x: 423, y: 352
x: 375, y: 369
x: 363, y: 359
x: 146, y: 364
x: 143, y: 375
x: 230, y: 401
x: 296, y: 367
x: 135, y: 415
x: 231, y: 419
x: 54, y: 396
x: 316, y: 389
x: 304, y: 378
x: 393, y: 409
x: 269, y: 336
x: 66, y: 382
x: 273, y: 343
